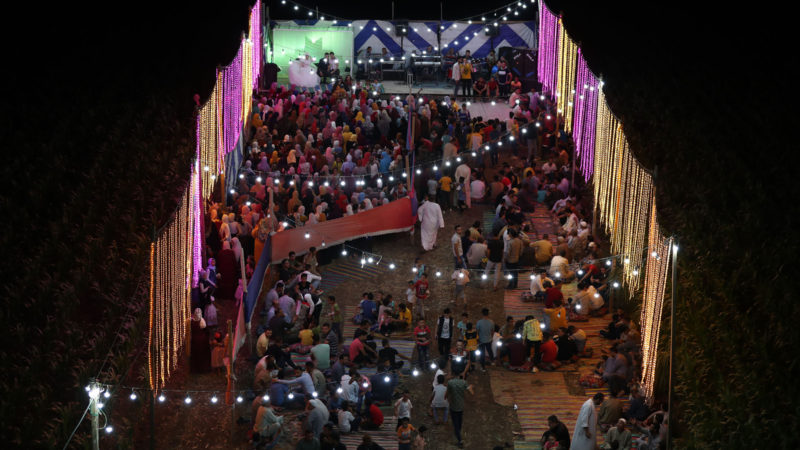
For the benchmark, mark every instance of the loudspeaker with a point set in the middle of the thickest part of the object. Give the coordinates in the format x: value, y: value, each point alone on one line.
x: 523, y: 62
x: 491, y: 30
x: 401, y: 28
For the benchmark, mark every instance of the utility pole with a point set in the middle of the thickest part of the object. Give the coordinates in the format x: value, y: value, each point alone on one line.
x: 671, y: 412
x: 94, y: 412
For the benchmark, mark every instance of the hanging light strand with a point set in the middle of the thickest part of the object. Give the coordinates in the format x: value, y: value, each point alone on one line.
x: 567, y: 69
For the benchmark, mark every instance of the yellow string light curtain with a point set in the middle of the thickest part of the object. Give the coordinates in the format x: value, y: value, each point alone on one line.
x: 658, y: 260
x: 170, y: 289
x: 247, y: 79
x: 567, y: 71
x: 623, y: 190
x: 208, y: 140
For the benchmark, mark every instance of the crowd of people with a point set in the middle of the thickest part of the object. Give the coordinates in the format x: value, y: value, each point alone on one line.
x: 320, y: 155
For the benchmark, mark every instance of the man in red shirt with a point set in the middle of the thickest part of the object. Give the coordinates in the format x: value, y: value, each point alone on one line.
x: 549, y: 351
x: 422, y: 336
x: 552, y: 294
x: 421, y: 292
x: 373, y: 418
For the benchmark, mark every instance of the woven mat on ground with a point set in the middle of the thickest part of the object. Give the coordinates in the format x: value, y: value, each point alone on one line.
x: 348, y: 269
x: 386, y: 436
x: 401, y: 343
x: 543, y: 222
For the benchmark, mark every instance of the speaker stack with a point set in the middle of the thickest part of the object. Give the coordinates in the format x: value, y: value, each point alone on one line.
x: 523, y: 64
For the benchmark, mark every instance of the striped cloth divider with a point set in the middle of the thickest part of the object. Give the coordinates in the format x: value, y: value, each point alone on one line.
x: 386, y: 436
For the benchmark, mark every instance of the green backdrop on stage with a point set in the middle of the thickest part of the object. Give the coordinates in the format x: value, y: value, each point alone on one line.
x: 293, y: 42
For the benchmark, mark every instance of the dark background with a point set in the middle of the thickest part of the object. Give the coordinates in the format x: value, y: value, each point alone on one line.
x: 97, y: 132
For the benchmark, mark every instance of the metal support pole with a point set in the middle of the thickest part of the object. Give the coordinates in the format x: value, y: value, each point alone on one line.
x: 94, y: 411
x: 670, y: 412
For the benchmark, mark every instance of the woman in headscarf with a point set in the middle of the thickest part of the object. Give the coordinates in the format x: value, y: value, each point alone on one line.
x: 349, y: 210
x: 201, y: 349
x: 385, y: 161
x: 304, y: 166
x: 224, y: 229
x: 226, y: 271
x: 260, y: 235
x: 236, y: 246
x: 259, y: 191
x: 291, y: 158
x: 293, y: 202
x: 299, y: 216
x: 263, y: 165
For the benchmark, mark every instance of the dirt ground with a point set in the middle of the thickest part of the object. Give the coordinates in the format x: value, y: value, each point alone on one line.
x: 486, y: 423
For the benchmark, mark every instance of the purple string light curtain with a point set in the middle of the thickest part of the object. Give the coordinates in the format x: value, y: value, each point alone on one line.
x: 585, y: 117
x: 547, y: 63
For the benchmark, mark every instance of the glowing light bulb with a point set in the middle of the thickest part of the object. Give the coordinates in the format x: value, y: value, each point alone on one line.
x: 285, y: 224
x: 415, y: 372
x: 474, y: 154
x: 291, y: 396
x: 477, y: 353
x: 483, y: 277
x: 241, y: 176
x: 487, y: 148
x: 239, y: 399
x: 635, y: 272
x: 608, y: 263
x: 307, y: 235
x: 214, y: 399
x: 392, y: 266
x: 578, y: 307
x: 499, y: 343
x: 447, y: 163
x: 627, y: 260
x: 414, y: 269
x: 616, y: 284
x: 493, y: 103
x: 519, y: 336
x: 310, y: 184
x: 161, y: 398
x: 654, y: 254
x: 438, y: 274
x: 558, y: 274
x: 314, y: 394
x: 106, y: 394
x: 133, y: 396
x: 419, y: 172
x: 387, y: 379
x: 433, y: 366
x: 339, y: 390
x: 233, y: 191
x: 435, y: 167
x: 342, y: 183
x: 109, y: 429
x: 370, y: 260
x: 580, y: 272
x: 365, y: 385
x: 100, y: 405
x: 187, y: 400
x: 524, y: 130
x: 363, y: 261
x: 509, y: 276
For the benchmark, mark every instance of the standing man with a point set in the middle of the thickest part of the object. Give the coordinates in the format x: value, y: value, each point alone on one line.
x: 515, y: 248
x: 584, y: 436
x: 421, y: 292
x: 532, y: 336
x: 429, y: 214
x: 466, y: 76
x: 455, y: 397
x: 485, y: 328
x: 444, y: 334
x: 422, y: 336
x: 455, y: 74
x: 458, y: 249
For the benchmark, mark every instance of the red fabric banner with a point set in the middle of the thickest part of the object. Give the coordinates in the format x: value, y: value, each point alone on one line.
x: 393, y: 217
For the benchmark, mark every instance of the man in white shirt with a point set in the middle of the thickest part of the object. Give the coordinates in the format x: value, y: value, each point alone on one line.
x: 537, y: 284
x: 458, y: 250
x: 477, y: 190
x: 456, y: 77
x: 559, y: 267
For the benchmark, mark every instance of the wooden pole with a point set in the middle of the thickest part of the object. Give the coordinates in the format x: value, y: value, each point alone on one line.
x: 94, y: 413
